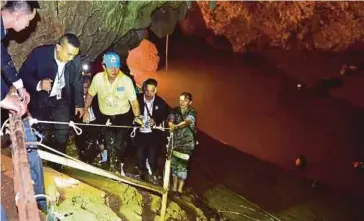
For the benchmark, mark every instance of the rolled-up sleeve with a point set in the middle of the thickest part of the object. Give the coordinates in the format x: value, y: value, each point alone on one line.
x: 192, y: 119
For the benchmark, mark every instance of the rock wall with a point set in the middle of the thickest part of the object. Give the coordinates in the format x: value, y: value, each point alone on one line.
x: 303, y: 25
x: 99, y: 24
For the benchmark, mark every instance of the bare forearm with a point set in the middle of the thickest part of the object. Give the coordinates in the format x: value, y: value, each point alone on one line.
x: 88, y: 101
x: 135, y: 108
x: 180, y: 125
x: 184, y: 124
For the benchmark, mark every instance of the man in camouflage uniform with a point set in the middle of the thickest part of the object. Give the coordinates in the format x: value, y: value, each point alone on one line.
x: 182, y: 121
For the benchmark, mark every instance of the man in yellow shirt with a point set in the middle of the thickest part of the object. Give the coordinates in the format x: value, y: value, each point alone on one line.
x: 116, y: 94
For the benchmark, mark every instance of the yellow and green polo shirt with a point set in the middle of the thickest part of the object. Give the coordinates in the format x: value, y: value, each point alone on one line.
x: 113, y: 97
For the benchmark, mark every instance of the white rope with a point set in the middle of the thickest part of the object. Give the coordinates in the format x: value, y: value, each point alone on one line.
x: 5, y: 124
x: 78, y: 130
x: 40, y: 136
x: 132, y: 134
x: 108, y: 123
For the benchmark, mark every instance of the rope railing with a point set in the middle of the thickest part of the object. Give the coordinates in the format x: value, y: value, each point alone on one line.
x: 66, y: 160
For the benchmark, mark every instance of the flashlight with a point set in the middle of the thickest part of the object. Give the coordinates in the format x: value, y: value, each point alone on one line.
x: 85, y: 67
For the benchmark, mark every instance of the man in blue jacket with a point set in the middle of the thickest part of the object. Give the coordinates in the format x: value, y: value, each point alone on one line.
x: 15, y: 15
x: 52, y: 75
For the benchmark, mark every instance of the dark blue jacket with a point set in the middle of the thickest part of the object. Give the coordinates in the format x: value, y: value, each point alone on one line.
x: 160, y: 108
x: 8, y: 71
x: 41, y: 64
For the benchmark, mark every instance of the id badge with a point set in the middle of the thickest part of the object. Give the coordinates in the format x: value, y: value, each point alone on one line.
x: 59, y: 94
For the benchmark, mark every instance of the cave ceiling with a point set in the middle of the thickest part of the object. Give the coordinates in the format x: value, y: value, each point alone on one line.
x: 311, y: 25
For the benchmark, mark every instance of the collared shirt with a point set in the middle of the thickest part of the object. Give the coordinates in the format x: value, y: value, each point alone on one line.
x: 113, y: 97
x: 59, y: 81
x: 148, y: 106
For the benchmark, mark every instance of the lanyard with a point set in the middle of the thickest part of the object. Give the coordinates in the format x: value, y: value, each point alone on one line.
x: 146, y: 106
x: 59, y: 76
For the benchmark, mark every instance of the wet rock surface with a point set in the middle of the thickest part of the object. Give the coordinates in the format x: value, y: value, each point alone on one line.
x: 325, y: 26
x: 99, y: 25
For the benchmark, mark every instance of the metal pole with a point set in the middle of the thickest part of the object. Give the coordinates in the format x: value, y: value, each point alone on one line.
x: 23, y: 185
x: 167, y: 173
x: 167, y: 52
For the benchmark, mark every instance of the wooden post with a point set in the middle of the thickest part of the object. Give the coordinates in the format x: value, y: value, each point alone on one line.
x: 167, y: 173
x: 23, y: 185
x: 167, y: 52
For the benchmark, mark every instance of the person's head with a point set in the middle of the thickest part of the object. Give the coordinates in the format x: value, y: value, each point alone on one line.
x: 86, y: 84
x: 111, y: 64
x: 150, y: 88
x: 185, y: 100
x: 18, y: 14
x: 68, y: 47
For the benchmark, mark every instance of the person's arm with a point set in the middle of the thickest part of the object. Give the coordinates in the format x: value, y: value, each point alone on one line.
x: 4, y: 89
x: 136, y: 110
x: 8, y: 69
x: 183, y: 124
x: 88, y: 101
x: 28, y: 72
x: 131, y: 95
x: 135, y: 107
x: 92, y: 91
x: 190, y: 119
x: 86, y: 113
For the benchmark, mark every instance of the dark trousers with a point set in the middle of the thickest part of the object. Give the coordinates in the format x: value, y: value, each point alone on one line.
x: 148, y: 148
x: 51, y: 109
x: 115, y: 138
x: 86, y: 143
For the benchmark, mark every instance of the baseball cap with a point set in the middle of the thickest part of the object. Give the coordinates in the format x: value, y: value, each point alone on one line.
x: 112, y: 60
